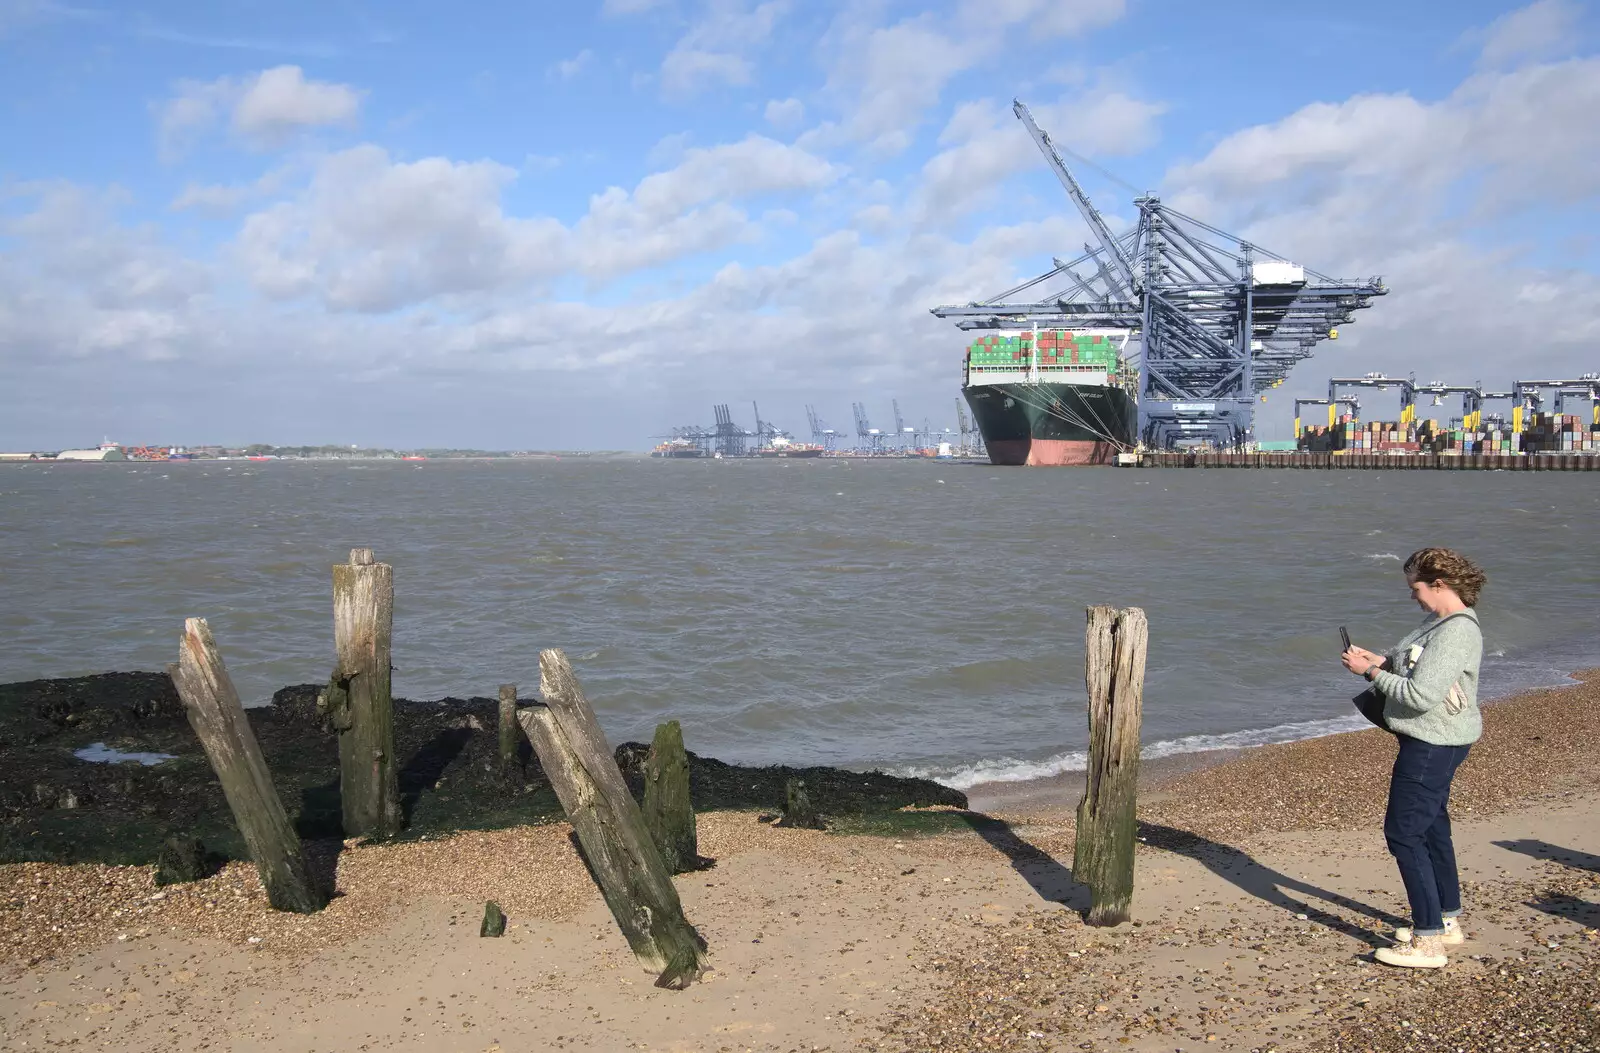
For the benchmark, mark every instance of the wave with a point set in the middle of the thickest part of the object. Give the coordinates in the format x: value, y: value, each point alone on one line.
x: 1011, y: 769
x: 1382, y: 555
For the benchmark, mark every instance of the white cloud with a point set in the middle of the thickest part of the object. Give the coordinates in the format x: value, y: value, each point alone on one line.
x: 566, y: 69
x: 784, y: 113
x: 984, y: 145
x: 885, y: 77
x: 614, y: 8
x: 280, y: 101
x: 263, y: 110
x: 685, y: 210
x: 1409, y: 189
x: 372, y: 234
x: 1540, y: 30
x: 718, y: 46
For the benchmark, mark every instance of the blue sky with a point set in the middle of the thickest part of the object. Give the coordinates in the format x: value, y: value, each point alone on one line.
x: 579, y: 224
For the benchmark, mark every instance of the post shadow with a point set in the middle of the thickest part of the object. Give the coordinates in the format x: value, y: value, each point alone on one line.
x: 1532, y: 846
x: 427, y: 765
x: 1051, y: 880
x: 1559, y: 904
x: 1266, y: 884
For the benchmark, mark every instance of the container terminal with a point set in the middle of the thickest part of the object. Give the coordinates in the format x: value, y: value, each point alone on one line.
x: 727, y: 439
x: 1155, y: 346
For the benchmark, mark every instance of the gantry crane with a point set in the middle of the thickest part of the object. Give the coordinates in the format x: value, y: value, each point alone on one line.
x: 1529, y: 395
x: 820, y: 432
x: 1382, y: 383
x: 871, y: 438
x: 729, y: 436
x: 1219, y: 319
x: 1333, y: 405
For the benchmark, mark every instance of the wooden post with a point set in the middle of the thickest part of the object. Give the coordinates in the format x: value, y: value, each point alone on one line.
x: 798, y: 811
x: 668, y: 811
x: 358, y: 697
x: 625, y: 862
x: 510, y: 730
x: 219, y: 720
x: 1114, y: 657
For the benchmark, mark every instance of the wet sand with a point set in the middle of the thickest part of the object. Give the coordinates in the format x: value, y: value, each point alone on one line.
x: 1263, y: 886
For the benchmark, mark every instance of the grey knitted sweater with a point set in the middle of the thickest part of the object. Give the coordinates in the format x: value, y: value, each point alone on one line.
x: 1430, y: 682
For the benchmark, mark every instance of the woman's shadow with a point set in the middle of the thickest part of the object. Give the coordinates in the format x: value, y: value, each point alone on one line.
x: 1268, y: 885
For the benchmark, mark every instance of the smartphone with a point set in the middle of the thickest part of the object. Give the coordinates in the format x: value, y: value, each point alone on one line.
x: 1345, y: 636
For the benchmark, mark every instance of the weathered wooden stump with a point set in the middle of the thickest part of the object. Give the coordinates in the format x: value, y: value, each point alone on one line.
x: 510, y: 730
x: 219, y: 720
x: 182, y: 859
x: 617, y: 845
x: 668, y: 812
x: 798, y: 811
x: 494, y: 920
x: 1114, y: 658
x: 358, y: 698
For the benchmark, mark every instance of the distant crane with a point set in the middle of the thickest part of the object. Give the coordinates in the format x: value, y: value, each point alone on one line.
x: 971, y: 439
x: 900, y: 428
x: 820, y: 432
x: 729, y: 436
x: 871, y: 438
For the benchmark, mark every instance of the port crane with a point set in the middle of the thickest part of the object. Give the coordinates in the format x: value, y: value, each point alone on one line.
x: 871, y: 438
x: 1219, y: 319
x: 1381, y: 382
x: 728, y: 435
x: 1529, y: 394
x: 1333, y: 405
x: 820, y: 432
x: 900, y: 428
x: 971, y: 438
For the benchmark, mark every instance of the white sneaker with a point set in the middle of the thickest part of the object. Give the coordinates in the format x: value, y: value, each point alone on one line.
x: 1422, y: 952
x: 1454, y: 934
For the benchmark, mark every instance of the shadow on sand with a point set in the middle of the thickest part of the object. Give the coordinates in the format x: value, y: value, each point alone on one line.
x: 1560, y: 904
x: 1051, y: 880
x: 1268, y: 885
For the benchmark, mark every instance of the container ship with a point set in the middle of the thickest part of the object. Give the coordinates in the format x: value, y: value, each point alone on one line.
x: 783, y: 446
x: 1053, y: 396
x: 677, y: 448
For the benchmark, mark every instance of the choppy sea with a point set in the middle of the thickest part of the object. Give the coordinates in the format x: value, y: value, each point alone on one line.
x: 915, y: 616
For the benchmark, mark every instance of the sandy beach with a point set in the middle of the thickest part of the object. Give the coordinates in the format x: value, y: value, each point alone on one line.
x: 1263, y: 885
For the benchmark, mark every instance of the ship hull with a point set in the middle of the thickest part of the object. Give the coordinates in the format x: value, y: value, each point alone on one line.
x: 1053, y: 424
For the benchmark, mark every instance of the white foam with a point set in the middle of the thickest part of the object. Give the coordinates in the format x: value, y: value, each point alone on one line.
x: 1011, y: 769
x: 1383, y: 555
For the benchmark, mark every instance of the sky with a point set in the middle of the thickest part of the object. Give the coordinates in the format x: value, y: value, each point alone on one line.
x: 576, y: 225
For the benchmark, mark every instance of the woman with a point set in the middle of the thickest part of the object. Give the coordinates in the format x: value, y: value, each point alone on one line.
x: 1429, y: 684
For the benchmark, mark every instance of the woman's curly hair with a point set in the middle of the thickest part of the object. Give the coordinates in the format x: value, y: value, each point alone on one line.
x: 1452, y: 568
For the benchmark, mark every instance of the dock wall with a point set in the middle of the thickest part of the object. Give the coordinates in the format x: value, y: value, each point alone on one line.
x: 1509, y: 462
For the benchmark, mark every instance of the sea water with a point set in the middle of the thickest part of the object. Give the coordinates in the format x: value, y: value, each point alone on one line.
x: 912, y: 615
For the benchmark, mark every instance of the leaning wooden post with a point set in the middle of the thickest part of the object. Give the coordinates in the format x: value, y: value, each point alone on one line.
x: 224, y: 731
x: 1114, y: 658
x: 358, y: 697
x: 510, y: 731
x: 625, y: 862
x: 668, y: 812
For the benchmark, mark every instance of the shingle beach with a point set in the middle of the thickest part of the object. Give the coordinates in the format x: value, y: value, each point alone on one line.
x: 1263, y: 885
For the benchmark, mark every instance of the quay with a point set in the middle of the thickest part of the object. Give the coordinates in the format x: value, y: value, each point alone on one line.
x: 1487, y: 462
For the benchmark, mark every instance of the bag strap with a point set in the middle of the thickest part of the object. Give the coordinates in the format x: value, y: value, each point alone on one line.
x: 1436, y: 626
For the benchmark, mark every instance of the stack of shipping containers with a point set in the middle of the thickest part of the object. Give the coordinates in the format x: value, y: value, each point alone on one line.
x: 1059, y: 349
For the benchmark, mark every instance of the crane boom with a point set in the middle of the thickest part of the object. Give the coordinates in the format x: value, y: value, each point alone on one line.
x: 1090, y: 214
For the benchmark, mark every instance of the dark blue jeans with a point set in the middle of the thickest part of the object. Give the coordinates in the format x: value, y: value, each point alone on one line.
x: 1417, y: 827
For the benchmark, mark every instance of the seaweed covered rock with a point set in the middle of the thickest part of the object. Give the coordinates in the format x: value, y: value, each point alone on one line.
x: 715, y: 785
